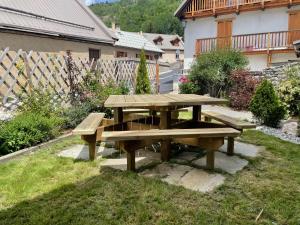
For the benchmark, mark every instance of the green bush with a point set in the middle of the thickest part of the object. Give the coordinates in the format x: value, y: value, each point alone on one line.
x: 210, y: 74
x: 27, y: 129
x: 186, y: 88
x: 266, y: 106
x: 289, y: 91
x: 143, y: 85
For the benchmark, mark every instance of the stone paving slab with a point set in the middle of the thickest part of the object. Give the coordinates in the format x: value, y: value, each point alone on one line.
x: 81, y: 152
x: 243, y: 149
x: 186, y: 176
x: 185, y: 157
x: 229, y: 164
x: 143, y: 158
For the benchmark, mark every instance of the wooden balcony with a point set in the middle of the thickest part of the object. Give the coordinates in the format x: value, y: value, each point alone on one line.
x: 251, y: 43
x: 203, y: 8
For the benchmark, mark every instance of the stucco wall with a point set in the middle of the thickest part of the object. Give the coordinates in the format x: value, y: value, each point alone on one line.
x: 259, y: 21
x: 41, y: 44
x: 169, y: 56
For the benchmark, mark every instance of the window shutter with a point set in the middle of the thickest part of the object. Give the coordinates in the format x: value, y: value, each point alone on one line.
x: 198, y: 47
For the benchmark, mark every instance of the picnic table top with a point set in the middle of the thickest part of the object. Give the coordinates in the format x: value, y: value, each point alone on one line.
x: 161, y: 100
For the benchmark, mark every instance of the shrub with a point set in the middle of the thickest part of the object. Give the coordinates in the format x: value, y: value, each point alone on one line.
x: 266, y: 106
x: 242, y: 89
x: 185, y: 86
x: 143, y: 85
x: 289, y: 91
x: 92, y: 97
x: 42, y: 102
x: 210, y: 72
x: 27, y: 129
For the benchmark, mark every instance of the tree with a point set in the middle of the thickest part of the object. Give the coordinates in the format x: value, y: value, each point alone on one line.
x: 143, y: 85
x: 210, y: 74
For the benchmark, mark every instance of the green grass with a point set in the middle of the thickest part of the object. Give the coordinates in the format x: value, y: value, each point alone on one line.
x: 44, y: 189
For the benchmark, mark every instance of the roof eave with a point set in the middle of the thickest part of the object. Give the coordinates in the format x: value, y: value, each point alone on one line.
x: 178, y: 12
x: 147, y: 50
x: 54, y: 34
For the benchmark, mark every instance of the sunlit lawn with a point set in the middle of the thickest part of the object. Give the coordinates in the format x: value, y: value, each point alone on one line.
x: 44, y: 189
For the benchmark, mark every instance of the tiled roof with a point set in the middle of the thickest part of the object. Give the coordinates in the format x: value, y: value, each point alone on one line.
x: 136, y: 41
x: 166, y: 43
x: 65, y: 18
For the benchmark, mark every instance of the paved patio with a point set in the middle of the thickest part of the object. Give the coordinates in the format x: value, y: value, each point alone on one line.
x: 185, y: 169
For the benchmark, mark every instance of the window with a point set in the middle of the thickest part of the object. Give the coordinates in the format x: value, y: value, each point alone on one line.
x: 177, y: 54
x: 94, y: 54
x: 148, y: 57
x: 121, y: 54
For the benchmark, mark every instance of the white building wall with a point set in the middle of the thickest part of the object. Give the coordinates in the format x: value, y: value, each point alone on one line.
x: 269, y: 20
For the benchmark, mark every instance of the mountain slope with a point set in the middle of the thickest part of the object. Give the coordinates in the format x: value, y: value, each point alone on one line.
x: 153, y: 16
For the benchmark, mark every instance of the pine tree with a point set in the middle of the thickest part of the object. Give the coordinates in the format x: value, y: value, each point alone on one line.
x: 143, y: 85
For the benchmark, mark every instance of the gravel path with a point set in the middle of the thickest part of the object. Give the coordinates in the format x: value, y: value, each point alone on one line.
x: 248, y: 116
x: 279, y: 134
x: 5, y: 115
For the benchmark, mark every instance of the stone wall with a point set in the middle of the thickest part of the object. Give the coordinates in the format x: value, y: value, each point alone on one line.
x: 275, y: 73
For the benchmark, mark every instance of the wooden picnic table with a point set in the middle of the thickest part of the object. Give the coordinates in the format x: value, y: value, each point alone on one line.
x: 164, y: 104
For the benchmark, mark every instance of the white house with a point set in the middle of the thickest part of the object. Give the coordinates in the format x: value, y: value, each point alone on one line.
x: 263, y: 29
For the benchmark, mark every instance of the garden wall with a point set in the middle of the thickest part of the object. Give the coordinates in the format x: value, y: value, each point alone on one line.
x: 275, y: 73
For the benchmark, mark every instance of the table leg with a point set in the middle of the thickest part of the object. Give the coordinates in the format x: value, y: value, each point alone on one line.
x: 118, y: 118
x: 165, y: 123
x: 118, y: 115
x: 197, y: 112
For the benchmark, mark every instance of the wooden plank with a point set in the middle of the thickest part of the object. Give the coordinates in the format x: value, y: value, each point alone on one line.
x: 167, y: 134
x: 89, y: 125
x: 232, y: 122
x: 163, y: 100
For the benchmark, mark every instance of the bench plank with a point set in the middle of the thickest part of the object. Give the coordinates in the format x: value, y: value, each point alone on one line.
x: 232, y: 122
x: 89, y: 125
x: 167, y: 134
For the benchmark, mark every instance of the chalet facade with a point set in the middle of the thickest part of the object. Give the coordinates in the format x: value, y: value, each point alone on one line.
x: 54, y: 26
x: 264, y: 30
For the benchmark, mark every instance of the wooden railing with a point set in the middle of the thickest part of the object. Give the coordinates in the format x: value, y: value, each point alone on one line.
x: 250, y: 42
x: 198, y: 6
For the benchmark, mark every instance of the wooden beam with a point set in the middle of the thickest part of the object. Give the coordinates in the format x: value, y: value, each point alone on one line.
x: 197, y: 113
x: 118, y: 115
x: 165, y: 123
x: 230, y: 146
x: 91, y: 141
x: 210, y: 159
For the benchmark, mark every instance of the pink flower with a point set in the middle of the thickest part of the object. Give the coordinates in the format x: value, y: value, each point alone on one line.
x: 184, y: 79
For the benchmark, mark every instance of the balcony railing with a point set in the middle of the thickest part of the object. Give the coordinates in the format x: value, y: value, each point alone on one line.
x: 250, y: 42
x: 198, y: 6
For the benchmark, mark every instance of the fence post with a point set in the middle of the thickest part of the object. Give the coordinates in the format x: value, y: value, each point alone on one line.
x: 28, y: 71
x: 157, y: 77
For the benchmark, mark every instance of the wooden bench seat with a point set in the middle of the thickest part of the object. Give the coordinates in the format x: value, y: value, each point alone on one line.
x: 88, y: 129
x: 130, y: 141
x: 231, y: 122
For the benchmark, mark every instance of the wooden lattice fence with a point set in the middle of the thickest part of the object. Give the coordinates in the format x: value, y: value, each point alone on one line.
x: 21, y: 71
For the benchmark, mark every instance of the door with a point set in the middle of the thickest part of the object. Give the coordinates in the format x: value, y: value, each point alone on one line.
x: 224, y: 34
x: 294, y: 27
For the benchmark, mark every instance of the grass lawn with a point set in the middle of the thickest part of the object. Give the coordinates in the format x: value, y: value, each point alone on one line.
x: 44, y: 189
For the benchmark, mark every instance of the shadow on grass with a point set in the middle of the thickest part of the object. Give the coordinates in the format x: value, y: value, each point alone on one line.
x: 113, y: 197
